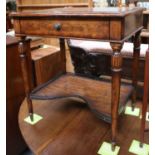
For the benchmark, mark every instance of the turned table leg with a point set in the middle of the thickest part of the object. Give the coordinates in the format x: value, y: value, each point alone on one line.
x: 136, y: 54
x: 116, y: 66
x: 145, y: 99
x: 26, y: 67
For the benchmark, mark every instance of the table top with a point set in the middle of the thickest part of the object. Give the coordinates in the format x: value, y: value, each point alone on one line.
x: 97, y: 12
x: 115, y: 23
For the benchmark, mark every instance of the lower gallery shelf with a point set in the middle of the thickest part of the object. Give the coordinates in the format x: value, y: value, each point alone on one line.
x: 96, y: 93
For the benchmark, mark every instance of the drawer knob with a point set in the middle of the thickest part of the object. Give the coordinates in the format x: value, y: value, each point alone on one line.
x: 57, y: 26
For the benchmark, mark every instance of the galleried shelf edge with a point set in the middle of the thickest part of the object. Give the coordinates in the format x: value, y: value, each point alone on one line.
x: 95, y: 92
x: 113, y: 24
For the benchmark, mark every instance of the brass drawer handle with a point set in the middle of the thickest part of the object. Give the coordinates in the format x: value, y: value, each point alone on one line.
x: 57, y: 26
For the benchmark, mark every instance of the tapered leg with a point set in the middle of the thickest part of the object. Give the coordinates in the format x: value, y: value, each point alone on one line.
x: 26, y: 67
x: 116, y: 66
x: 145, y: 98
x: 136, y: 54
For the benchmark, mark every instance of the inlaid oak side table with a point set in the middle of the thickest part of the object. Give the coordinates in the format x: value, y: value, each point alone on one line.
x: 115, y: 25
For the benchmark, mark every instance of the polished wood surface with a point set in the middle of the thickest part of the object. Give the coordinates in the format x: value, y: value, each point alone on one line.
x: 26, y: 66
x: 83, y: 20
x: 24, y: 5
x: 47, y: 63
x: 36, y: 42
x: 100, y: 102
x: 89, y: 12
x: 116, y: 67
x: 70, y: 128
x: 145, y: 98
x: 135, y: 66
x: 15, y: 143
x: 47, y: 1
x: 116, y: 20
x: 83, y: 28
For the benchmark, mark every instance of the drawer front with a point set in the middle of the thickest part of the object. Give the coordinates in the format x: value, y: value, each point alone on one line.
x: 95, y: 29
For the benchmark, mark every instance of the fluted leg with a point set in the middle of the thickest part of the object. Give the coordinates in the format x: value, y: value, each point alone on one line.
x: 116, y: 66
x: 145, y: 98
x: 136, y: 54
x: 26, y: 67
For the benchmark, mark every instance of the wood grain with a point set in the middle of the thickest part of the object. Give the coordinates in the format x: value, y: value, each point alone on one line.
x: 47, y: 63
x: 116, y: 24
x: 133, y: 21
x: 81, y: 12
x: 135, y: 70
x: 24, y: 5
x: 68, y: 127
x: 97, y: 94
x: 145, y: 99
x: 15, y: 94
x: 70, y: 27
x: 116, y: 67
x: 26, y: 67
x: 81, y: 23
x: 29, y: 22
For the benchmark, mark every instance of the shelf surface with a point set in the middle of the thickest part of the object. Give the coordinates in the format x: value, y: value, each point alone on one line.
x: 96, y: 93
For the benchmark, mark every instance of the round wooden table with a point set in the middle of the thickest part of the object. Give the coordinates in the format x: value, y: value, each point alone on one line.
x: 69, y: 127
